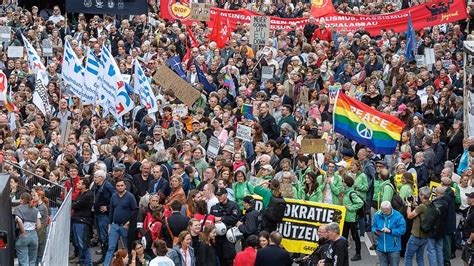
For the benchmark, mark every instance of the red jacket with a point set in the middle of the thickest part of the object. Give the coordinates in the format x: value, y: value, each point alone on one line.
x: 322, y: 35
x: 246, y: 257
x: 75, y: 191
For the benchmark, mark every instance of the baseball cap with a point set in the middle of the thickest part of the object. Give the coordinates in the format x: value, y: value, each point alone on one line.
x: 249, y: 199
x: 221, y: 191
x: 405, y: 155
x: 119, y: 167
x: 342, y: 164
x: 470, y: 195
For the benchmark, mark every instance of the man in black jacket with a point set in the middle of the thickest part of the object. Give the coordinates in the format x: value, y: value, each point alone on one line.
x: 267, y: 121
x: 338, y: 254
x: 103, y: 191
x: 273, y: 254
x: 174, y: 224
x: 320, y: 252
x: 82, y: 221
x: 249, y: 224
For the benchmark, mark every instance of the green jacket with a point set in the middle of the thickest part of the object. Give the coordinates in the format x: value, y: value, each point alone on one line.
x: 240, y: 191
x: 290, y: 120
x: 361, y: 185
x: 301, y: 174
x: 316, y: 196
x: 385, y: 192
x: 377, y: 183
x: 406, y: 191
x: 265, y: 193
x: 352, y: 203
x: 457, y: 193
x: 336, y: 187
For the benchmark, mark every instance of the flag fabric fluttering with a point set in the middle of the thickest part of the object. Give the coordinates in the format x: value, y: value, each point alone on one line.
x: 40, y: 95
x: 247, y: 111
x: 220, y: 31
x: 203, y: 80
x: 142, y: 85
x: 365, y: 125
x: 175, y: 64
x: 229, y: 82
x: 91, y: 74
x: 34, y: 61
x: 410, y: 40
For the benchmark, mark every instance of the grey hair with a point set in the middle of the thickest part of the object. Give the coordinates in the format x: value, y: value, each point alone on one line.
x: 424, y: 192
x: 100, y: 173
x: 159, y: 157
x: 450, y: 171
x: 449, y: 164
x: 419, y: 154
x: 101, y: 166
x: 385, y: 204
x: 333, y: 227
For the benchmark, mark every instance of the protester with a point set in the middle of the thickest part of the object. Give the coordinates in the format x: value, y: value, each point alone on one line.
x: 338, y: 249
x: 273, y: 254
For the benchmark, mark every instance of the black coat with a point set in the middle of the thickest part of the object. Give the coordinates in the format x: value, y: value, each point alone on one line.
x: 273, y: 255
x: 176, y: 223
x: 269, y: 126
x: 206, y: 255
x: 250, y: 223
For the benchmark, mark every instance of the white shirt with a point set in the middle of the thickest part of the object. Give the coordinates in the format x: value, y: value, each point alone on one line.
x: 327, y: 192
x: 211, y: 202
x: 161, y: 261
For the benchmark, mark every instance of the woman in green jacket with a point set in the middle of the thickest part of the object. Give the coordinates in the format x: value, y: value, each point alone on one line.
x: 330, y: 185
x: 406, y: 189
x: 309, y: 190
x: 241, y: 188
x: 361, y: 183
x: 352, y: 202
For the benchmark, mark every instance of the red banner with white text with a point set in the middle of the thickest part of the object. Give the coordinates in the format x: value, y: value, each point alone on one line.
x: 423, y: 15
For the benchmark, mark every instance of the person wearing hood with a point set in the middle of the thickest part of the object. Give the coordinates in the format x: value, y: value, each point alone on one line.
x: 389, y: 225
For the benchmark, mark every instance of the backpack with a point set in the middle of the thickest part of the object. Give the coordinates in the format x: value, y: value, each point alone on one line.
x: 397, y: 201
x: 275, y: 210
x: 360, y: 213
x: 431, y: 222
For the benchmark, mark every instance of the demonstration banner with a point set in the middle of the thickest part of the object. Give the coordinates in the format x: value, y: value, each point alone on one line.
x: 424, y: 15
x: 302, y: 220
x: 115, y: 7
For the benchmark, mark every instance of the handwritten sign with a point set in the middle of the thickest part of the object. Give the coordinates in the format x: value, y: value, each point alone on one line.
x: 15, y: 51
x: 259, y: 30
x: 47, y: 46
x: 244, y: 133
x: 213, y: 148
x: 170, y: 80
x: 267, y: 72
x: 200, y: 11
x: 313, y: 145
x: 127, y: 78
x: 5, y: 34
x: 420, y: 60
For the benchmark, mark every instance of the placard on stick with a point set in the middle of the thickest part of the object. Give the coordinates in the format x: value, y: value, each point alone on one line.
x: 47, y: 48
x: 313, y: 145
x: 259, y: 30
x: 15, y: 51
x: 5, y: 34
x: 213, y: 148
x: 200, y: 11
x: 267, y: 72
x: 170, y: 80
x: 244, y: 132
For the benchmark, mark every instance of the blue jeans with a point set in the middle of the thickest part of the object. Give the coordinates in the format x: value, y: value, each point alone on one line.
x: 102, y: 223
x: 115, y: 232
x: 434, y: 250
x: 389, y: 258
x: 27, y: 248
x: 415, y: 245
x: 85, y: 252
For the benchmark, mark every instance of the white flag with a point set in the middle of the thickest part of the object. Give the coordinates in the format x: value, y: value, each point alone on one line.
x: 73, y: 75
x: 40, y: 96
x: 91, y: 75
x: 113, y: 85
x: 141, y: 84
x: 34, y: 61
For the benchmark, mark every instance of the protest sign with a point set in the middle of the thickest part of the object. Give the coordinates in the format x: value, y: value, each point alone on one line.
x: 302, y: 220
x: 333, y: 90
x: 15, y: 51
x: 244, y: 133
x: 47, y: 46
x: 200, y: 11
x: 5, y: 34
x: 313, y: 145
x: 179, y: 110
x: 420, y: 60
x: 127, y: 78
x: 213, y: 148
x: 118, y: 7
x: 259, y: 30
x: 398, y: 183
x: 170, y: 80
x: 267, y: 72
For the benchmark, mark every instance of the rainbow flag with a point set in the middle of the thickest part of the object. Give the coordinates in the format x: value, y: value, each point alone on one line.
x: 9, y: 105
x: 229, y: 82
x: 247, y: 111
x: 365, y: 125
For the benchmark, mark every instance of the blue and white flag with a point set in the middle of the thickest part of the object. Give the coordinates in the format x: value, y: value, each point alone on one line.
x: 175, y: 64
x: 142, y: 85
x: 34, y: 61
x: 73, y: 75
x: 113, y: 85
x: 91, y: 76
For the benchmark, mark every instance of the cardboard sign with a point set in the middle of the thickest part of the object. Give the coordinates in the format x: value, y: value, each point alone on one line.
x: 267, y: 72
x: 301, y: 222
x: 200, y: 11
x: 259, y: 30
x: 5, y: 34
x: 213, y: 148
x: 313, y: 145
x: 15, y: 51
x: 304, y: 95
x: 65, y: 132
x: 244, y: 133
x: 170, y: 80
x: 47, y: 46
x: 420, y: 60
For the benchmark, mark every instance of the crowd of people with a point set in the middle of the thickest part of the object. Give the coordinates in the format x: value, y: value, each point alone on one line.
x: 146, y: 191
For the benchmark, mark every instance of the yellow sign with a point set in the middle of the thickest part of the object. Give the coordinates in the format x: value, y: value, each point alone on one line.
x: 301, y: 222
x: 398, y: 183
x: 313, y: 145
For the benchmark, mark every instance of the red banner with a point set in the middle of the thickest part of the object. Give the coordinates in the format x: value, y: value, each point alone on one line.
x: 423, y: 15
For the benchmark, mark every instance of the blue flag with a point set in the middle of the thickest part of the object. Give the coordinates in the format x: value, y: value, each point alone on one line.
x: 410, y: 40
x: 203, y: 80
x: 175, y: 64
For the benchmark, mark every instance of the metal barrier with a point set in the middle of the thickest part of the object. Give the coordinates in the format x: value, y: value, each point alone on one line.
x: 56, y: 251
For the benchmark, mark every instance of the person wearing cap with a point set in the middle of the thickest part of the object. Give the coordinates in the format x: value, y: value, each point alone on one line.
x: 196, y: 129
x: 330, y: 184
x: 119, y: 172
x: 342, y: 168
x: 116, y: 158
x: 227, y: 212
x: 245, y: 49
x: 407, y: 160
x: 249, y: 224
